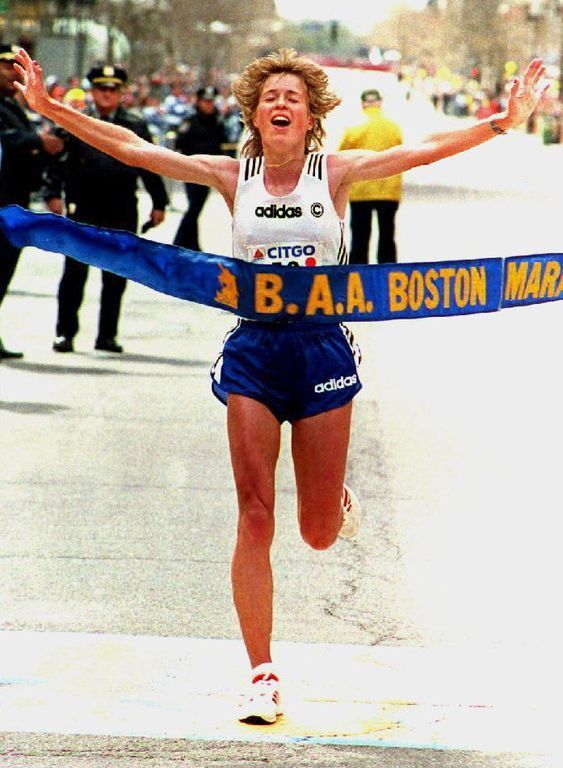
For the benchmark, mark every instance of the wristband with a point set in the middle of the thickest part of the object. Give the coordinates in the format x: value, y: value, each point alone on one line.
x: 496, y: 127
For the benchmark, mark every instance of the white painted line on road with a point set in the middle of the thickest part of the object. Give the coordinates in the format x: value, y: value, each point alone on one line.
x: 140, y: 686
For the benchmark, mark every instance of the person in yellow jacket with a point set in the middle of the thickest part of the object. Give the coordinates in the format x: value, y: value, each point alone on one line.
x: 376, y: 132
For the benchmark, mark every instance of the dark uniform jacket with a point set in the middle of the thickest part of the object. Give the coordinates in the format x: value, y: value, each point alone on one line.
x: 23, y: 156
x: 97, y: 188
x: 201, y: 135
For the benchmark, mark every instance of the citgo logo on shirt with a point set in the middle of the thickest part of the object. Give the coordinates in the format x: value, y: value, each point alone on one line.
x: 274, y: 211
x: 296, y: 254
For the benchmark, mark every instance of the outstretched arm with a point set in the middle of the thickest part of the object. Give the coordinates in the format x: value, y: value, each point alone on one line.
x: 115, y: 140
x: 524, y: 96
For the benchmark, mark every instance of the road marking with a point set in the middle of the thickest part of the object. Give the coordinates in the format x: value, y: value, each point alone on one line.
x: 141, y: 686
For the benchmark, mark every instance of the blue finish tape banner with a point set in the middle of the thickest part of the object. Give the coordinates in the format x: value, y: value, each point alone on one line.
x: 317, y: 294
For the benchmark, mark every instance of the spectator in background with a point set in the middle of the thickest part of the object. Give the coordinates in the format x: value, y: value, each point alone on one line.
x: 202, y: 134
x: 76, y: 98
x: 376, y: 132
x: 102, y: 191
x: 54, y: 88
x: 25, y: 150
x: 233, y: 126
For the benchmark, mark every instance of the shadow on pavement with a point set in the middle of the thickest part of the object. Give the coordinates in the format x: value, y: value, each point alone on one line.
x: 120, y: 360
x: 33, y: 294
x: 65, y: 369
x: 178, y: 361
x: 32, y: 408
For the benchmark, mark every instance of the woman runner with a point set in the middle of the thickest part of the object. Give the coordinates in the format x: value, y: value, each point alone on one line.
x: 288, y: 202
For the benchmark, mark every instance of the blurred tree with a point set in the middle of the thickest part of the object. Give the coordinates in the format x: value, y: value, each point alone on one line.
x: 317, y: 37
x: 476, y: 37
x: 216, y: 33
x: 144, y: 22
x: 420, y: 36
x: 463, y: 34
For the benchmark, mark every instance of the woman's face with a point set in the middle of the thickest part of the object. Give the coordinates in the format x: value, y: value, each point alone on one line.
x: 283, y: 109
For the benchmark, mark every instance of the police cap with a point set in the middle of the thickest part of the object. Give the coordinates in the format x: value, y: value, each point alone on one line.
x: 107, y: 76
x: 209, y: 93
x: 8, y: 52
x: 372, y: 94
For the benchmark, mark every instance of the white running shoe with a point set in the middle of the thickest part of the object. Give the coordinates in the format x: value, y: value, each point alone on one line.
x: 261, y: 705
x: 352, y: 514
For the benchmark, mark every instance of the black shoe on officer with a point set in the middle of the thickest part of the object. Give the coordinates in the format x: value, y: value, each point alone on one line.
x: 63, y: 344
x: 108, y: 345
x: 8, y: 354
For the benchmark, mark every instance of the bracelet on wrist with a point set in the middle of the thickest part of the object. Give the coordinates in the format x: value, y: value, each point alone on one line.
x: 496, y: 127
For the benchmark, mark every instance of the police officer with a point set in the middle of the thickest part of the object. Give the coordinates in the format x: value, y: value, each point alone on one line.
x: 24, y: 152
x: 102, y: 191
x: 204, y: 133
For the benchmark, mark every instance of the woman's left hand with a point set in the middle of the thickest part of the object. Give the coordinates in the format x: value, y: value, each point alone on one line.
x: 526, y: 92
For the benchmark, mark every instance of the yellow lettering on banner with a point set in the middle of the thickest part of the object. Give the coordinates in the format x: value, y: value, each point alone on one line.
x: 478, y: 286
x: 515, y: 280
x: 461, y: 287
x: 267, y: 288
x: 433, y: 298
x: 537, y: 280
x: 398, y: 283
x: 534, y: 281
x: 355, y: 297
x: 320, y: 296
x: 416, y: 290
x: 548, y: 284
x: 437, y: 288
x: 446, y: 274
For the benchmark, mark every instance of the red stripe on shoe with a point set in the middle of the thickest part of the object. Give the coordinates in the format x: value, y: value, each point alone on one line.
x: 265, y: 676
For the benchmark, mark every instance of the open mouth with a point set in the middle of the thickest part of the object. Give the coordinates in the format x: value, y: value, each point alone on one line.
x: 280, y: 121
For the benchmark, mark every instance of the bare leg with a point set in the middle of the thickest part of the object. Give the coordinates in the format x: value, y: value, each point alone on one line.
x: 320, y: 449
x: 254, y: 439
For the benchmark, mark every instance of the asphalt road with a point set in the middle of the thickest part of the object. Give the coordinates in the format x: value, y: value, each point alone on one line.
x: 118, y: 509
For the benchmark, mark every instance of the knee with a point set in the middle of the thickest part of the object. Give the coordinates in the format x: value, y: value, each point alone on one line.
x: 318, y: 536
x: 256, y: 523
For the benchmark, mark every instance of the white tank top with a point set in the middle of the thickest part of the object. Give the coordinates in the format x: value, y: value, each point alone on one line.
x: 298, y: 229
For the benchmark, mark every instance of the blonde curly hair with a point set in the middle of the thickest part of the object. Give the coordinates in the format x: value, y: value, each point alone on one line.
x: 248, y: 87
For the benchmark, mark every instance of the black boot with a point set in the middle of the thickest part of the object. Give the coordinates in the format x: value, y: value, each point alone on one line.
x: 63, y: 344
x: 108, y: 345
x: 7, y: 354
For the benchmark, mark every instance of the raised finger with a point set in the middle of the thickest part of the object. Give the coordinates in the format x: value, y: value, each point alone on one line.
x: 533, y: 72
x: 23, y: 58
x: 537, y: 75
x: 20, y: 70
x: 540, y: 74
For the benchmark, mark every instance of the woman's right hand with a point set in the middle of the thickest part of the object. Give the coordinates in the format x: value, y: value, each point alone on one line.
x: 31, y: 86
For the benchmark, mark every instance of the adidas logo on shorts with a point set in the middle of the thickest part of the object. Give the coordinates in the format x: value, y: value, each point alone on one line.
x: 332, y: 384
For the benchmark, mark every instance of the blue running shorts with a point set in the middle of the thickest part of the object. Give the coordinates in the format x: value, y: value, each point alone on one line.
x: 295, y: 369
